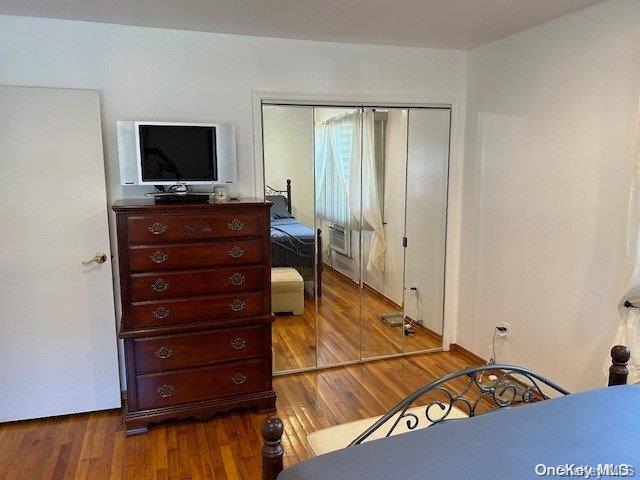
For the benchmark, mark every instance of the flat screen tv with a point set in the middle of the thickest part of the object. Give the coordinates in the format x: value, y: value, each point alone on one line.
x: 168, y: 153
x: 177, y: 153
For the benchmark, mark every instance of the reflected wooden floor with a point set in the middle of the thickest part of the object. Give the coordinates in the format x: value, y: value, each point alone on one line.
x: 339, y: 335
x: 93, y: 445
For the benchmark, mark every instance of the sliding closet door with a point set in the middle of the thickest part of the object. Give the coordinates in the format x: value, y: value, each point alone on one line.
x: 426, y: 218
x: 384, y: 150
x: 289, y: 184
x: 338, y: 138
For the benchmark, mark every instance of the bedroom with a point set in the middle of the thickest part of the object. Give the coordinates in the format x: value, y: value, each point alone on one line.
x: 541, y: 217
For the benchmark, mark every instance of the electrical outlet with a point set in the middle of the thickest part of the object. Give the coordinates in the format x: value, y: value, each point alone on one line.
x: 504, y: 329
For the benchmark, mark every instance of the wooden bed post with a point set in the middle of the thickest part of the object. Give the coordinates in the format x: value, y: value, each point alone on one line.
x: 319, y: 263
x: 272, y: 451
x: 618, y: 370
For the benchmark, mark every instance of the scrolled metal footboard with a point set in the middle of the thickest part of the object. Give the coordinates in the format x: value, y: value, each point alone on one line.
x: 502, y: 385
x: 272, y: 427
x: 292, y: 243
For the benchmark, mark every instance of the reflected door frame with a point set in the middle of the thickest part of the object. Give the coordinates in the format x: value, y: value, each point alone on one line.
x: 454, y: 196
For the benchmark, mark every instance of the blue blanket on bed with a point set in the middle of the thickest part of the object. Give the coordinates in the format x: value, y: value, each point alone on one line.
x: 283, y: 228
x: 599, y: 427
x: 293, y: 245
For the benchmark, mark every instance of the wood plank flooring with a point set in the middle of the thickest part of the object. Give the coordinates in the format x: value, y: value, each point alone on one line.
x: 339, y: 335
x: 93, y: 446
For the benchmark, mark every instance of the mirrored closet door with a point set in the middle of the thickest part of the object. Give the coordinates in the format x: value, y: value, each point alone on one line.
x: 338, y: 166
x: 383, y: 166
x: 289, y: 184
x: 349, y: 185
x: 426, y: 222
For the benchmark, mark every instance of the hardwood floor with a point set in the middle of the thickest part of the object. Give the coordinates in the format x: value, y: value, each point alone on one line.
x: 339, y: 336
x: 93, y: 446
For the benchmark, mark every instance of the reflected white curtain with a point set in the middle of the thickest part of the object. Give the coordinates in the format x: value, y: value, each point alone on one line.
x: 333, y: 164
x: 629, y: 328
x: 346, y: 183
x: 367, y: 180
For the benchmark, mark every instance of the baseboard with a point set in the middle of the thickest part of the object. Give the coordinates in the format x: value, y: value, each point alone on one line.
x: 381, y: 296
x: 366, y: 287
x: 476, y: 359
x: 326, y: 266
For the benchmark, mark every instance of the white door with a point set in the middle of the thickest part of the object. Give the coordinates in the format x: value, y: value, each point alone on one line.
x: 57, y: 327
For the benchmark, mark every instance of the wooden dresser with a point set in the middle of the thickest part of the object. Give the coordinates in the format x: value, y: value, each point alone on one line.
x: 196, y: 308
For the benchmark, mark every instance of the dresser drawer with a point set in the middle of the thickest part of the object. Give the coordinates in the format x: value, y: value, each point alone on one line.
x: 169, y: 228
x: 174, y: 388
x: 190, y: 255
x: 151, y: 286
x: 174, y: 352
x: 171, y: 312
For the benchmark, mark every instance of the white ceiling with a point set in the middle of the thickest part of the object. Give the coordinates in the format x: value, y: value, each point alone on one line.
x: 457, y: 24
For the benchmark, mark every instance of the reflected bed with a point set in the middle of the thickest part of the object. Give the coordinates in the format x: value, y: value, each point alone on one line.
x: 293, y: 244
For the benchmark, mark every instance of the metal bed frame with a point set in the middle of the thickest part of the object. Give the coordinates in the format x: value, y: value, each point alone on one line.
x: 512, y: 386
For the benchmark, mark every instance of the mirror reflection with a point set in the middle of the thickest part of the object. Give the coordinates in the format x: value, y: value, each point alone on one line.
x: 289, y: 177
x: 349, y: 185
x: 426, y: 222
x: 337, y: 134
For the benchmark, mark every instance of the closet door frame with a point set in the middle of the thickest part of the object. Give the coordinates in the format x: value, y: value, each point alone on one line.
x: 454, y: 195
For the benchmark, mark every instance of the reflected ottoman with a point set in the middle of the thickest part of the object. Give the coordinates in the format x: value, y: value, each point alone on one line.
x: 287, y: 290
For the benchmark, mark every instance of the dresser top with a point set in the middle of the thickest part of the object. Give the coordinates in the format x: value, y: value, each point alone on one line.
x: 149, y: 204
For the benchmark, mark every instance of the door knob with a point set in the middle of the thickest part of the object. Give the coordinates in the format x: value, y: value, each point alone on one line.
x: 99, y: 257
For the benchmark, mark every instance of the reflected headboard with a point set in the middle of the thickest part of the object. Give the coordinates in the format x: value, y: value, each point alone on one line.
x: 272, y: 192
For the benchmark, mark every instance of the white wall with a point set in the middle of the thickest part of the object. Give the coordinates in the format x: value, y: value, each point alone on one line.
x: 162, y: 74
x: 171, y: 74
x: 288, y: 154
x: 550, y: 133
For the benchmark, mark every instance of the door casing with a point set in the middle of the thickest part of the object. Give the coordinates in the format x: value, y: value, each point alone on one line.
x: 454, y: 195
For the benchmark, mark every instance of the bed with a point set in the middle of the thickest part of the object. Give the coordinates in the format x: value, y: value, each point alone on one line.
x: 293, y: 244
x: 598, y: 429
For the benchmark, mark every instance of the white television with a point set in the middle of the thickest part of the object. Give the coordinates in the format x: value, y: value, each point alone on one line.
x: 172, y: 153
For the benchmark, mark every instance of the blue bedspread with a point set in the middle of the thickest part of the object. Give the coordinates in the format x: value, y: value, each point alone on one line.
x: 283, y: 227
x: 293, y: 245
x: 589, y: 428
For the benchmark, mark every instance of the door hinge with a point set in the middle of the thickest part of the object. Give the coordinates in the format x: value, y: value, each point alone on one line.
x: 404, y: 242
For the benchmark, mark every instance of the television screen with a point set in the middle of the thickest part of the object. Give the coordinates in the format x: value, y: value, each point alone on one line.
x: 178, y: 152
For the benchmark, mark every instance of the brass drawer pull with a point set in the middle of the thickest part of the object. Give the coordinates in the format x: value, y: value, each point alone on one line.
x: 239, y: 343
x: 163, y: 352
x: 158, y: 257
x: 239, y: 378
x: 165, y: 390
x: 161, y: 312
x: 157, y: 228
x: 198, y: 225
x: 236, y: 252
x: 159, y: 285
x: 236, y: 279
x: 237, y: 305
x: 236, y: 224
